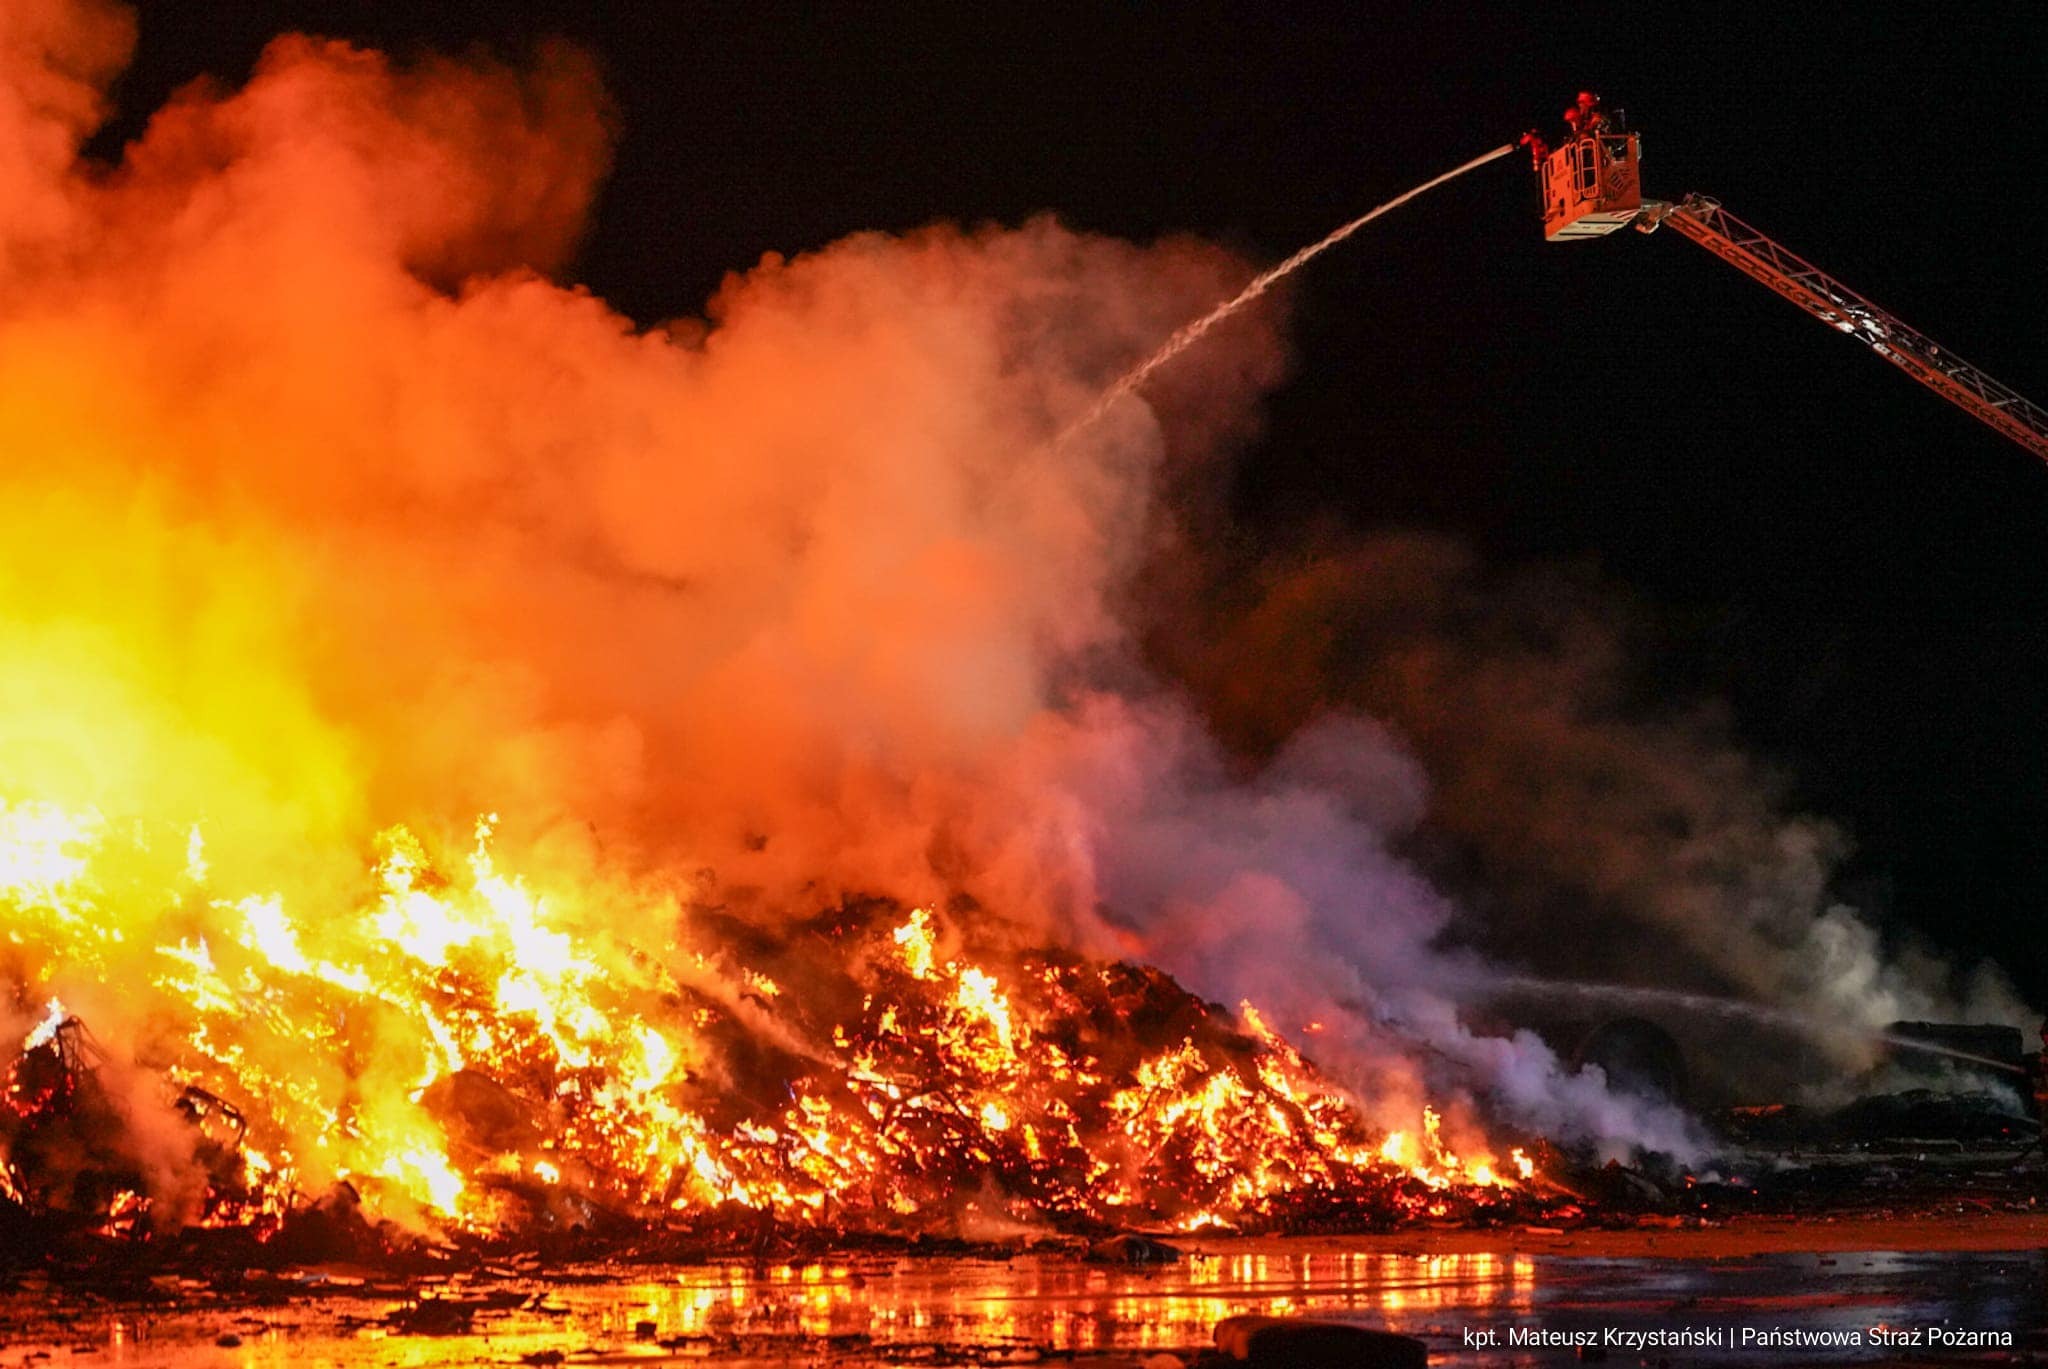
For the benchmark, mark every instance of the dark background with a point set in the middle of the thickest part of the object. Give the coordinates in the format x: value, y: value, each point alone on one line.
x: 1855, y: 566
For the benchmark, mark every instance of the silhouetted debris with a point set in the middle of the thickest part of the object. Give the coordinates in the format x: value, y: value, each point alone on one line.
x: 481, y: 1116
x: 440, y: 1316
x: 333, y: 1229
x: 1621, y: 1189
x: 65, y: 1137
x: 22, y: 1237
x: 1290, y: 1343
x: 1131, y: 1249
x: 1911, y: 1115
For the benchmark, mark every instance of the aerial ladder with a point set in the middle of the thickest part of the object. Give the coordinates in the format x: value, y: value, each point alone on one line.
x: 1592, y: 185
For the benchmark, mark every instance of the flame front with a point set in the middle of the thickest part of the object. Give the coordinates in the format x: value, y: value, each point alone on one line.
x: 330, y: 504
x: 464, y: 1047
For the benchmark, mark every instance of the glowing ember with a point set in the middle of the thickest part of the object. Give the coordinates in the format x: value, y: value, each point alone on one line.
x: 460, y: 1042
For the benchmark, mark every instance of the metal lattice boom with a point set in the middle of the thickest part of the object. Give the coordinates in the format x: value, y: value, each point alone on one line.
x: 1705, y: 222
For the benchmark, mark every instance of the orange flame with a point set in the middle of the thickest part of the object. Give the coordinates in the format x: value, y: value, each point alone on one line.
x: 945, y: 1072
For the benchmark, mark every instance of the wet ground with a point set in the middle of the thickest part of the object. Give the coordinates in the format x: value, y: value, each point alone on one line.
x: 1465, y: 1293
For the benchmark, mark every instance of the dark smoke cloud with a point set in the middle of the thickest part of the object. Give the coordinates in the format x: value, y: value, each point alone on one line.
x: 1593, y: 828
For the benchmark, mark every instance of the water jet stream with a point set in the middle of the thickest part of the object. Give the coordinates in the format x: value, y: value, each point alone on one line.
x: 1191, y: 333
x: 1709, y: 1005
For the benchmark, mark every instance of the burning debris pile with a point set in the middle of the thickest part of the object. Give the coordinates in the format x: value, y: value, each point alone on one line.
x: 328, y: 504
x: 866, y: 1069
x: 846, y: 790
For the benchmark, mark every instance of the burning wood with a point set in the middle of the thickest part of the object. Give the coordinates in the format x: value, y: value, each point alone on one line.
x: 325, y: 504
x: 871, y: 1069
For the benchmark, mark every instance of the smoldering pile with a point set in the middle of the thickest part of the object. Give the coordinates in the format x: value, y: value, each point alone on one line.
x: 869, y: 1073
x: 330, y: 504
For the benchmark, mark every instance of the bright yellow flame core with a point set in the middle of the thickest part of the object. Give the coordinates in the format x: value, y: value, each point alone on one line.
x: 352, y: 1039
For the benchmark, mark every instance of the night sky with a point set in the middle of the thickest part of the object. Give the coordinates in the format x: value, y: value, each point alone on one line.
x: 1854, y: 566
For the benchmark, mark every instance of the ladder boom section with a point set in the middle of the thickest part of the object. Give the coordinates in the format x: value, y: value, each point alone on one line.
x: 1705, y: 222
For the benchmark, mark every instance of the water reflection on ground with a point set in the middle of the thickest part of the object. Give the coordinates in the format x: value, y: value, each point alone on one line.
x: 957, y: 1311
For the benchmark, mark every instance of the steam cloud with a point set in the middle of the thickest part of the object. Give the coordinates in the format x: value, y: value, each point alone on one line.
x: 327, y: 507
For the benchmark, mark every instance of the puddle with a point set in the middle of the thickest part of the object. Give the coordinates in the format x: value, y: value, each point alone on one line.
x: 890, y: 1311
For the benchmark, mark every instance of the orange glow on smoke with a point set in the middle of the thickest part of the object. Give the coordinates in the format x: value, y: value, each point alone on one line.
x: 331, y: 521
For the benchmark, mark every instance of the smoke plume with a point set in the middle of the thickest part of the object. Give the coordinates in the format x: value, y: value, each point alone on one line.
x: 332, y: 503
x: 1591, y: 829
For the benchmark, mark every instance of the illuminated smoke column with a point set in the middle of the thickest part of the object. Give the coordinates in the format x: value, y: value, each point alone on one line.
x: 327, y: 508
